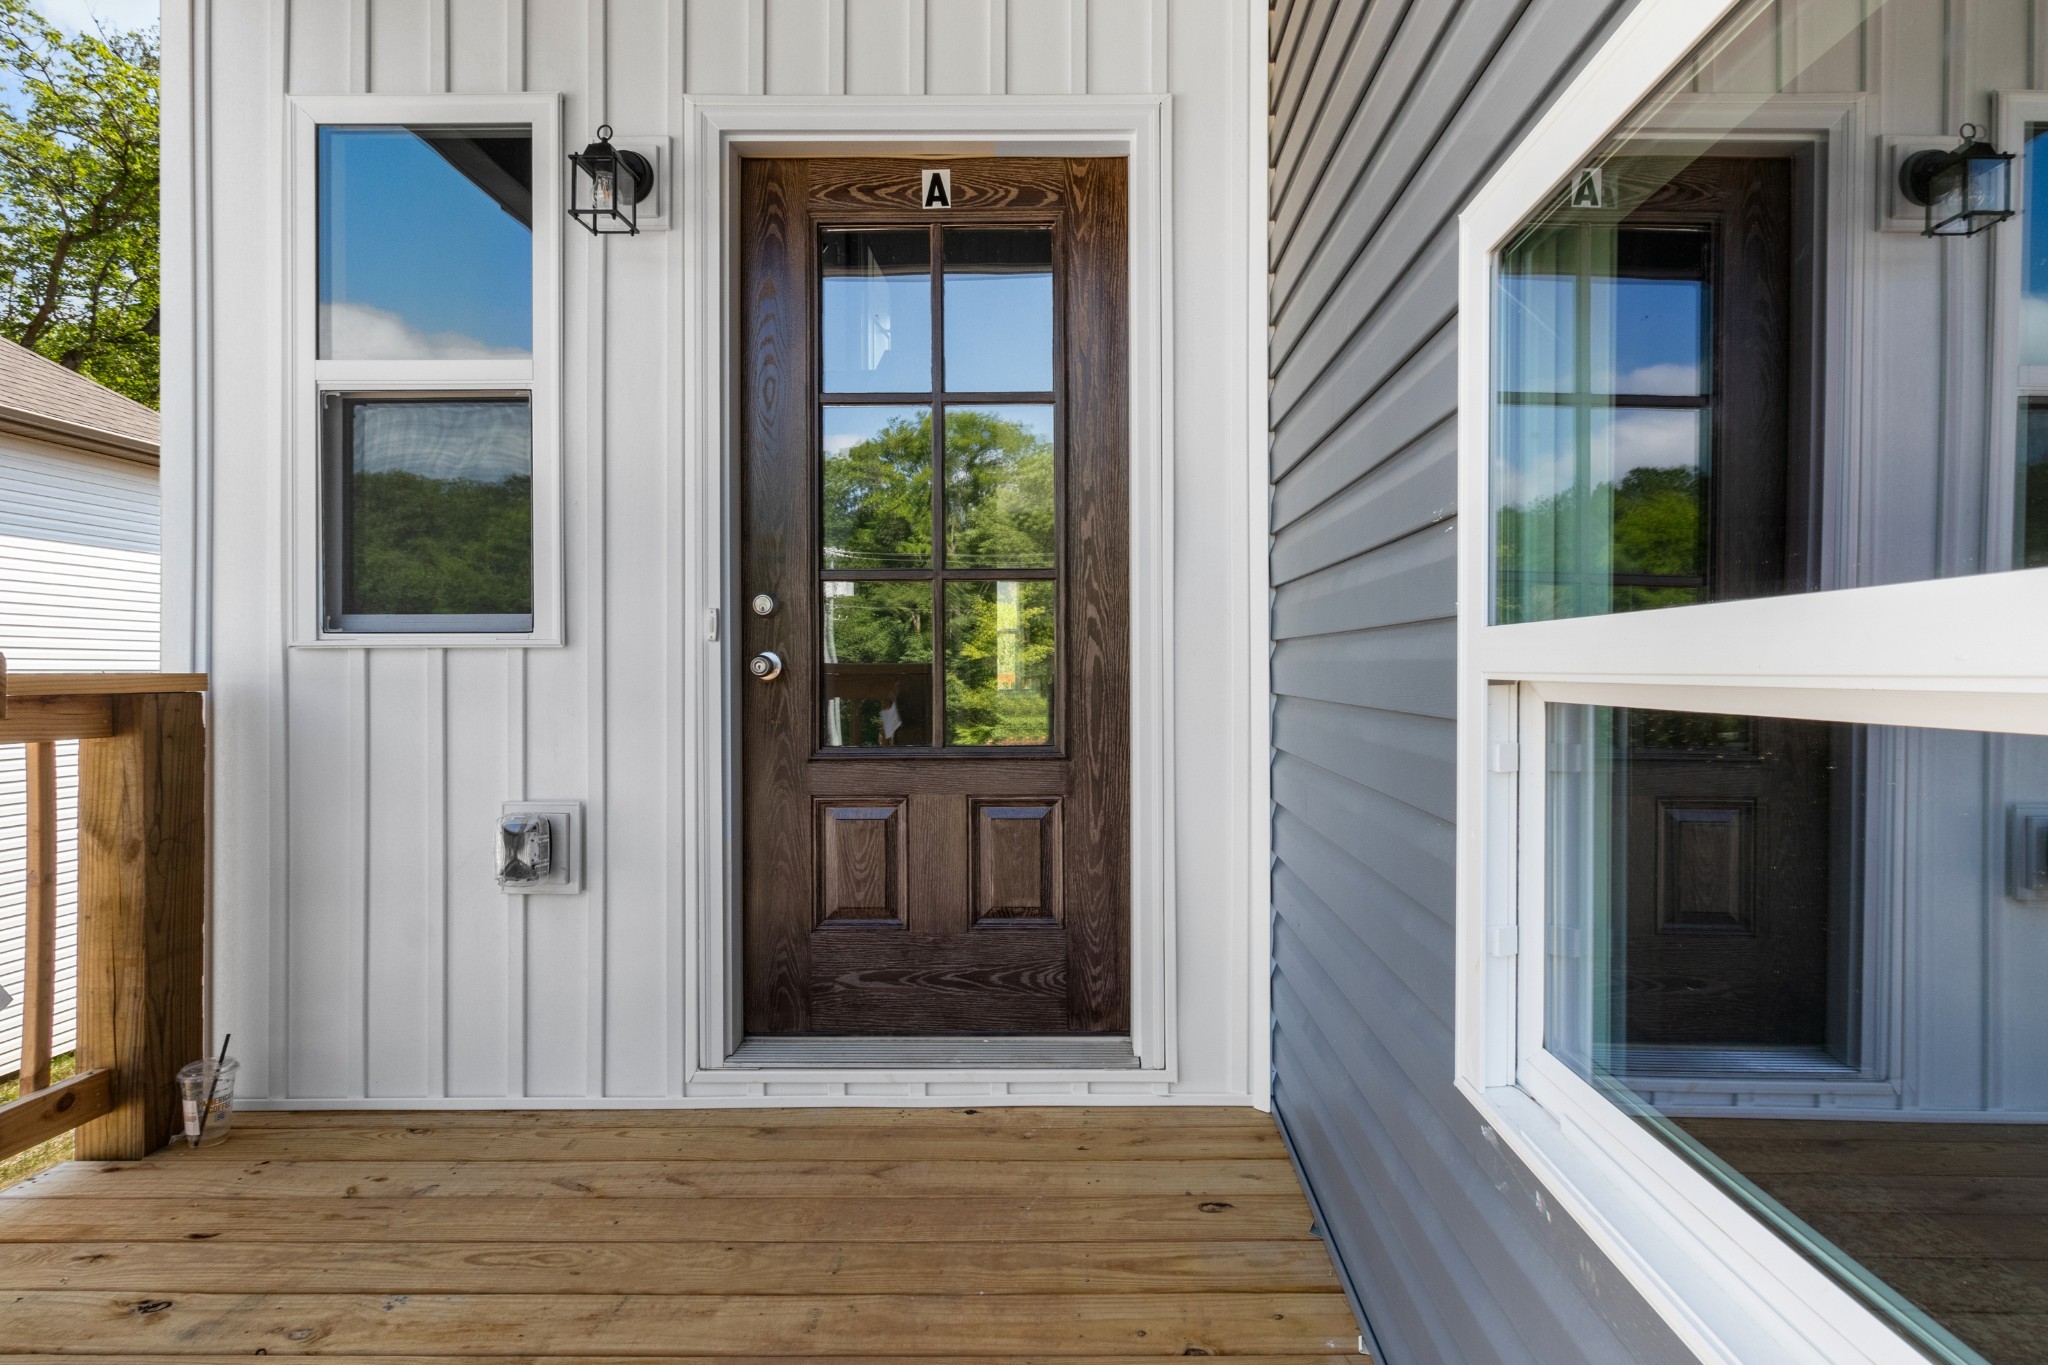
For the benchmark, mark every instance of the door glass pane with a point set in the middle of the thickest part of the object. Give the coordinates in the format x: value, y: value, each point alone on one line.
x: 998, y: 310
x: 999, y: 661
x: 875, y: 313
x: 999, y: 487
x: 877, y: 487
x: 877, y: 664
x: 430, y: 509
x: 1746, y: 912
x: 425, y: 243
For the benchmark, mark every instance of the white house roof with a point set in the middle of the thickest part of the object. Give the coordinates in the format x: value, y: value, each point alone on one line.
x: 42, y: 400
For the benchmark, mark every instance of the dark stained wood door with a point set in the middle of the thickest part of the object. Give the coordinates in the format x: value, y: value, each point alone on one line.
x: 934, y: 686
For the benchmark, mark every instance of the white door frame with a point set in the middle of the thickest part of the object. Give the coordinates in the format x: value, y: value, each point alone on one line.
x: 717, y: 132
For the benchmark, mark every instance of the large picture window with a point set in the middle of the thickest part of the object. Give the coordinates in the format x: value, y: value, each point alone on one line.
x: 1753, y: 745
x: 428, y: 348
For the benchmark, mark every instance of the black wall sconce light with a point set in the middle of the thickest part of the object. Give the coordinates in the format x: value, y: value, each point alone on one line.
x: 1964, y: 190
x: 606, y: 185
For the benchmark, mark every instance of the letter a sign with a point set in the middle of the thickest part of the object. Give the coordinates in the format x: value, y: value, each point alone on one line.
x: 938, y: 189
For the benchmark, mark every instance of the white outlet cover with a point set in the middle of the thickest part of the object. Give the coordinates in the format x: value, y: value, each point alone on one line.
x: 566, y: 834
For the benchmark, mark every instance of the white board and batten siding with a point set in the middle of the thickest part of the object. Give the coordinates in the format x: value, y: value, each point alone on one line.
x: 78, y: 593
x: 364, y: 953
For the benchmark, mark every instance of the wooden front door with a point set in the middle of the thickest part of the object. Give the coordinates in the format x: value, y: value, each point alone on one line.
x: 935, y: 753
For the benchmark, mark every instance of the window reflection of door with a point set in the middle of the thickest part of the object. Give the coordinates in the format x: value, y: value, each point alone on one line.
x: 1644, y: 461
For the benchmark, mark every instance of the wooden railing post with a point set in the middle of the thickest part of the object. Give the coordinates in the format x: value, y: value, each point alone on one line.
x: 141, y: 915
x: 39, y: 991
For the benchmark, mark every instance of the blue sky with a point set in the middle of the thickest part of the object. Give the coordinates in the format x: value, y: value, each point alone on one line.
x: 78, y: 15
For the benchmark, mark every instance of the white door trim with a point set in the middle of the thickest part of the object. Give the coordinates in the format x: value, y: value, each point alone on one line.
x: 717, y: 132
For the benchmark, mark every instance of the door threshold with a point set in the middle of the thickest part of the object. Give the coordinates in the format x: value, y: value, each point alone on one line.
x: 1096, y: 1051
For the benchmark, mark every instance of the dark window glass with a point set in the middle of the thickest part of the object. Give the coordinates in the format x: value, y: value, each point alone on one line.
x: 875, y: 313
x: 1805, y: 956
x: 429, y: 513
x: 998, y: 310
x: 426, y: 243
x: 2033, y: 499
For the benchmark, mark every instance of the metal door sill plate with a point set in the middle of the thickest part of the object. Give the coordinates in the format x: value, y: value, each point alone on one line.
x: 1096, y: 1052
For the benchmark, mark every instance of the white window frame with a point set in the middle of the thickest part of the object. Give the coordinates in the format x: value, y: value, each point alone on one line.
x: 308, y: 377
x: 1948, y: 653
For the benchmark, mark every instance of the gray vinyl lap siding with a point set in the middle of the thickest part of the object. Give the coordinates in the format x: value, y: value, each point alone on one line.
x: 1385, y: 117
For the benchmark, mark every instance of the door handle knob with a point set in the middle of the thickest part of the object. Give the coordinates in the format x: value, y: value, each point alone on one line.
x: 767, y: 665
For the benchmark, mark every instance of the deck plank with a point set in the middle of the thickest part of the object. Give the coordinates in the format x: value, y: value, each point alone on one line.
x: 419, y: 1139
x: 169, y: 1176
x: 539, y: 1267
x: 488, y: 1324
x: 1254, y: 1218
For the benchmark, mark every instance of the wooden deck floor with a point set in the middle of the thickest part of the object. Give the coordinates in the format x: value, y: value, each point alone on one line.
x: 998, y: 1234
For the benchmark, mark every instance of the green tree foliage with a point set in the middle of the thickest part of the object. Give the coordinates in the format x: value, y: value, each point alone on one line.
x: 999, y: 493
x: 999, y: 662
x: 78, y: 198
x: 425, y: 546
x: 878, y: 499
x: 1654, y: 526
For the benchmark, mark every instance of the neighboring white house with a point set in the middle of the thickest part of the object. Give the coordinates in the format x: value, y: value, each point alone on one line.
x: 78, y: 593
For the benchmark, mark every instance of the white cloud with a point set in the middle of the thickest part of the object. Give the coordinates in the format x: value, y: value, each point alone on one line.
x: 355, y: 331
x: 1661, y: 379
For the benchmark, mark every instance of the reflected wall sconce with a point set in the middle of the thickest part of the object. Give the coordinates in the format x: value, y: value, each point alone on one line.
x: 606, y: 185
x: 1964, y: 190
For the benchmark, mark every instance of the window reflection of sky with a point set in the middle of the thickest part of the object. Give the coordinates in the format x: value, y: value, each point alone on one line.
x: 998, y: 333
x: 876, y: 312
x: 1646, y: 335
x: 449, y: 441
x: 2034, y: 301
x: 415, y: 260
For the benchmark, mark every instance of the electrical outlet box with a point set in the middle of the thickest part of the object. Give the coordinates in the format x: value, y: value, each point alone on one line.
x: 2026, y: 852
x: 558, y: 841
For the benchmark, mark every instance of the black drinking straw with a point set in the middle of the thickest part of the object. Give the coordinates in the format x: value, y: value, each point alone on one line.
x: 212, y: 1089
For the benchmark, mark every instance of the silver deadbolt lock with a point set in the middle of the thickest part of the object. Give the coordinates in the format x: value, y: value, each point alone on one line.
x: 764, y: 604
x: 767, y: 665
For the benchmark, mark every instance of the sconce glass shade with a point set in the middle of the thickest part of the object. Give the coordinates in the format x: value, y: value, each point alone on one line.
x: 606, y: 185
x: 1965, y: 190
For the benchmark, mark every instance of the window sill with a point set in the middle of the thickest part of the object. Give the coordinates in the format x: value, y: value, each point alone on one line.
x: 466, y: 639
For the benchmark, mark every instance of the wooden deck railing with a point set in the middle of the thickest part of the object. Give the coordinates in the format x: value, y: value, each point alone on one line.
x: 141, y: 903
